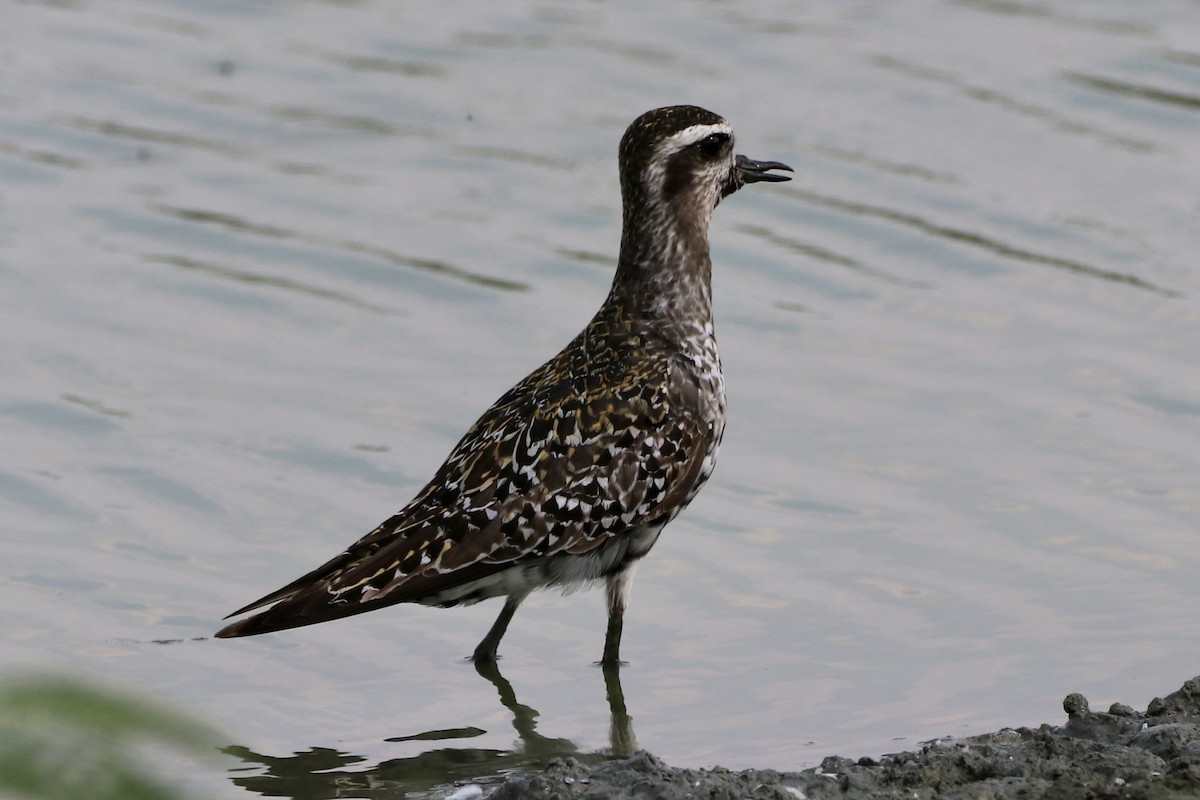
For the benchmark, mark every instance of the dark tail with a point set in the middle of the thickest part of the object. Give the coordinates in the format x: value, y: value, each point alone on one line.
x: 308, y: 601
x: 297, y: 611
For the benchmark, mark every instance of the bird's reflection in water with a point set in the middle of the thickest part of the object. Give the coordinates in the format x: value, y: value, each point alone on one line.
x: 327, y: 773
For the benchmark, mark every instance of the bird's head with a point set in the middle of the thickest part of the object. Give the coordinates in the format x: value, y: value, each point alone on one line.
x: 680, y: 160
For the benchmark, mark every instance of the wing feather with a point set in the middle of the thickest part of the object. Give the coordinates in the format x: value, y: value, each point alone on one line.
x: 564, y: 462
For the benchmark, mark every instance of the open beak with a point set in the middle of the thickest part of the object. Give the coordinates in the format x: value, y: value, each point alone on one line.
x: 754, y: 171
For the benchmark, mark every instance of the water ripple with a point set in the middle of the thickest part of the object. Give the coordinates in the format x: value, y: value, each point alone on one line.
x: 1008, y: 103
x: 822, y: 254
x: 1043, y: 11
x: 980, y: 241
x: 1127, y: 89
x: 258, y: 279
x: 236, y: 223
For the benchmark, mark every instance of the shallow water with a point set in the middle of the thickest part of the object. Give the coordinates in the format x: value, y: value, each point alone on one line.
x: 261, y: 264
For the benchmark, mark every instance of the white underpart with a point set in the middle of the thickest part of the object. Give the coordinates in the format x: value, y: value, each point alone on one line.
x: 564, y: 572
x: 622, y: 589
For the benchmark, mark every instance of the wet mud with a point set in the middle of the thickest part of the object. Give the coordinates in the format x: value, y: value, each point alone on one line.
x: 1116, y: 753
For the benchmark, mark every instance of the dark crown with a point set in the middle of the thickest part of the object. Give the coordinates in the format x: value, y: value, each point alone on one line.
x: 640, y: 141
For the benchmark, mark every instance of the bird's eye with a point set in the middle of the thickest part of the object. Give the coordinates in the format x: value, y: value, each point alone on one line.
x: 712, y: 144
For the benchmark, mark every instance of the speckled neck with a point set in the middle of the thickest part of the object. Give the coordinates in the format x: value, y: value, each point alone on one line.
x: 669, y: 189
x: 664, y: 273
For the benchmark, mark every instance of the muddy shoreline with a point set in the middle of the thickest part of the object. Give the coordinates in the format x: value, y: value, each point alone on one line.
x: 1119, y: 752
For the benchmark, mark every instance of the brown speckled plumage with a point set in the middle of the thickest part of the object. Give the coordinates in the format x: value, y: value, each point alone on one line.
x: 571, y: 475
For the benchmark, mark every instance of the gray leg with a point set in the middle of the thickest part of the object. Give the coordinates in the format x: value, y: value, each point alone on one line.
x: 618, y: 588
x: 486, y: 651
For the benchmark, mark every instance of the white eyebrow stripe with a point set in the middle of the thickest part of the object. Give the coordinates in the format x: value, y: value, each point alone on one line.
x: 691, y: 135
